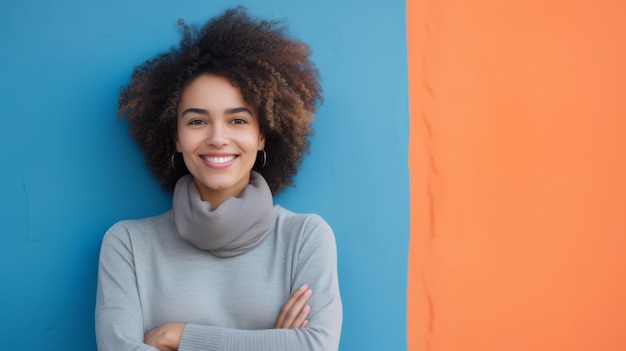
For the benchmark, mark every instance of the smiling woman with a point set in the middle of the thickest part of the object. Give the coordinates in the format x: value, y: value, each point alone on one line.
x: 219, y: 137
x: 225, y: 268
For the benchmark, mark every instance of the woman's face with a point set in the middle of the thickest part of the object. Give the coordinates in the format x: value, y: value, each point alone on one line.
x: 219, y: 136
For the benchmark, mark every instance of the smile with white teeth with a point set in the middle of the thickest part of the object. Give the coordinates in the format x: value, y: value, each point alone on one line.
x: 219, y: 159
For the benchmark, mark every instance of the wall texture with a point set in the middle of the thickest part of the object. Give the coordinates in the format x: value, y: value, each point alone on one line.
x: 70, y: 170
x: 518, y: 187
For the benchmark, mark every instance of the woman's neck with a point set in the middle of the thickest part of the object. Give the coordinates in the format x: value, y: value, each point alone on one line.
x: 217, y: 196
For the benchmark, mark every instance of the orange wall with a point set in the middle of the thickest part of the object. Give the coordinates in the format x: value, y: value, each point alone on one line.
x: 518, y: 175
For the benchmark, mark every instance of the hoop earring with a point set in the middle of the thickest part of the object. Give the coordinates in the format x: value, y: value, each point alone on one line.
x: 264, y: 158
x: 172, y: 162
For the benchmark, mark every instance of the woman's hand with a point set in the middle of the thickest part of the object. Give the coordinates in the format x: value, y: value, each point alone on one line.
x: 295, y: 311
x: 292, y: 315
x: 165, y: 337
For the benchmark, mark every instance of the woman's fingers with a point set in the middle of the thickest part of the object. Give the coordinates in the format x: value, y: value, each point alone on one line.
x: 301, y: 318
x: 294, y: 312
x: 298, y: 311
x: 165, y: 337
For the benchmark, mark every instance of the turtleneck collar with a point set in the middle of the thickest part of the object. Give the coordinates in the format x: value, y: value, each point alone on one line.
x: 238, y: 225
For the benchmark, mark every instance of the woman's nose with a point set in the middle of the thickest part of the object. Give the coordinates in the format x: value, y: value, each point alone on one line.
x: 217, y: 136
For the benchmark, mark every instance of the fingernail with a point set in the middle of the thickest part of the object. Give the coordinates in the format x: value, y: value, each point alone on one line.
x: 303, y: 287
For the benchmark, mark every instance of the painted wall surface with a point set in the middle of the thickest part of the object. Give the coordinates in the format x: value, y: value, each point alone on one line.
x: 69, y: 170
x: 518, y: 180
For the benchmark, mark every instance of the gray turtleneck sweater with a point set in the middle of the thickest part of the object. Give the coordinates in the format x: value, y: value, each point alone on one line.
x: 149, y: 275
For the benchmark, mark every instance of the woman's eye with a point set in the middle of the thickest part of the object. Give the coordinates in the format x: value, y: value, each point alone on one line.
x: 238, y: 121
x: 195, y: 122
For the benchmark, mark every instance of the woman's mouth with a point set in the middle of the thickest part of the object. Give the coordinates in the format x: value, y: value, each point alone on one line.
x: 218, y: 161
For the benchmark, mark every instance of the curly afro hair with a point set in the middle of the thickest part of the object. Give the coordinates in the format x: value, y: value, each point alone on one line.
x: 272, y: 71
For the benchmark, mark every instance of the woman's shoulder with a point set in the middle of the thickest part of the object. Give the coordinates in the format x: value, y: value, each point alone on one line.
x: 305, y: 223
x: 308, y: 232
x: 141, y: 226
x: 285, y: 214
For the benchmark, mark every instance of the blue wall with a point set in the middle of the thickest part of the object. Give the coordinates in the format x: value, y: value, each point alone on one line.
x: 69, y: 170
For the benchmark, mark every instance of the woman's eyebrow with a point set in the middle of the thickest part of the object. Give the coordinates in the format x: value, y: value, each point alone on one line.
x: 228, y: 111
x: 235, y: 110
x: 195, y: 110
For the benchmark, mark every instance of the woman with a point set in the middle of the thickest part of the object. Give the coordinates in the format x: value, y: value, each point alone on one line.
x: 223, y: 120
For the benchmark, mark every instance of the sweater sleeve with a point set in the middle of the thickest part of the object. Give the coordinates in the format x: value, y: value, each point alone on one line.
x: 119, y: 321
x: 314, y: 263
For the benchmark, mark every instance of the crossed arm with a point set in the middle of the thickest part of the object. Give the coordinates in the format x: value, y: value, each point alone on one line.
x: 307, y: 320
x: 292, y: 315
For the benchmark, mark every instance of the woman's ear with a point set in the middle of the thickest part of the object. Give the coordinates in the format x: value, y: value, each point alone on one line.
x: 261, y: 141
x: 177, y: 143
